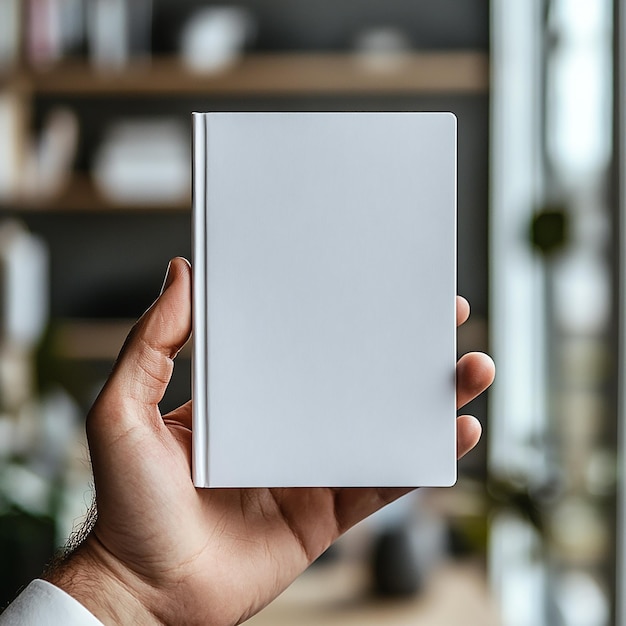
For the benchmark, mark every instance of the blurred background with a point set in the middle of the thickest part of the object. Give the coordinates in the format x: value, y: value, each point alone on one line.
x: 95, y: 103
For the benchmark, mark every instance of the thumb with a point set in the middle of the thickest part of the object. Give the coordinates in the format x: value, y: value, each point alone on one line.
x: 145, y: 364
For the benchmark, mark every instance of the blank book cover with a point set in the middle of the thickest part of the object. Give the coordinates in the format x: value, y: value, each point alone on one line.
x: 324, y: 299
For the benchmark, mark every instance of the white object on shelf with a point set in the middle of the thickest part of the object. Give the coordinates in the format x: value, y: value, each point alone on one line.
x: 144, y: 161
x: 107, y: 28
x: 382, y: 49
x: 118, y: 31
x: 23, y: 286
x: 215, y: 37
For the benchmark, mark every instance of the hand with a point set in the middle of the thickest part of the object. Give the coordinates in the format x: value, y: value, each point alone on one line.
x: 162, y: 551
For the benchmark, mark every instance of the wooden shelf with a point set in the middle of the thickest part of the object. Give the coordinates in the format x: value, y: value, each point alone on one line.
x: 81, y: 195
x: 275, y: 74
x: 284, y: 74
x: 93, y: 339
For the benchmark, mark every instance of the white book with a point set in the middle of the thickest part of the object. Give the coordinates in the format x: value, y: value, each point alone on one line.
x: 10, y: 31
x: 324, y: 299
x: 107, y: 30
x: 11, y: 162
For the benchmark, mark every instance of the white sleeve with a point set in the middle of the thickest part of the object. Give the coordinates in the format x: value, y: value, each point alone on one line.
x: 43, y: 604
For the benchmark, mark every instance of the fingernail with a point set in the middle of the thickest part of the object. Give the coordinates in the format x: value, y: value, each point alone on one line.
x: 169, y: 277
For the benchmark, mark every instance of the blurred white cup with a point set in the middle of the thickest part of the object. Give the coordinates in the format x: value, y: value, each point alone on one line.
x: 215, y: 37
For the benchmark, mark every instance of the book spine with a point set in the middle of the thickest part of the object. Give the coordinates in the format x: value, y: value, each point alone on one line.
x: 44, y: 32
x: 200, y: 460
x: 10, y: 33
x: 108, y: 33
x: 12, y: 131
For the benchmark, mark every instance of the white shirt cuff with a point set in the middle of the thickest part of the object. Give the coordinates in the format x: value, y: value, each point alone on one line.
x: 43, y: 604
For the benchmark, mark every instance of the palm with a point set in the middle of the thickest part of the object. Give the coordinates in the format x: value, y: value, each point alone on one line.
x: 268, y: 535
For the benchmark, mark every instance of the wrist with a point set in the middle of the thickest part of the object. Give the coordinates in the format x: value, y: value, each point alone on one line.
x: 102, y: 586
